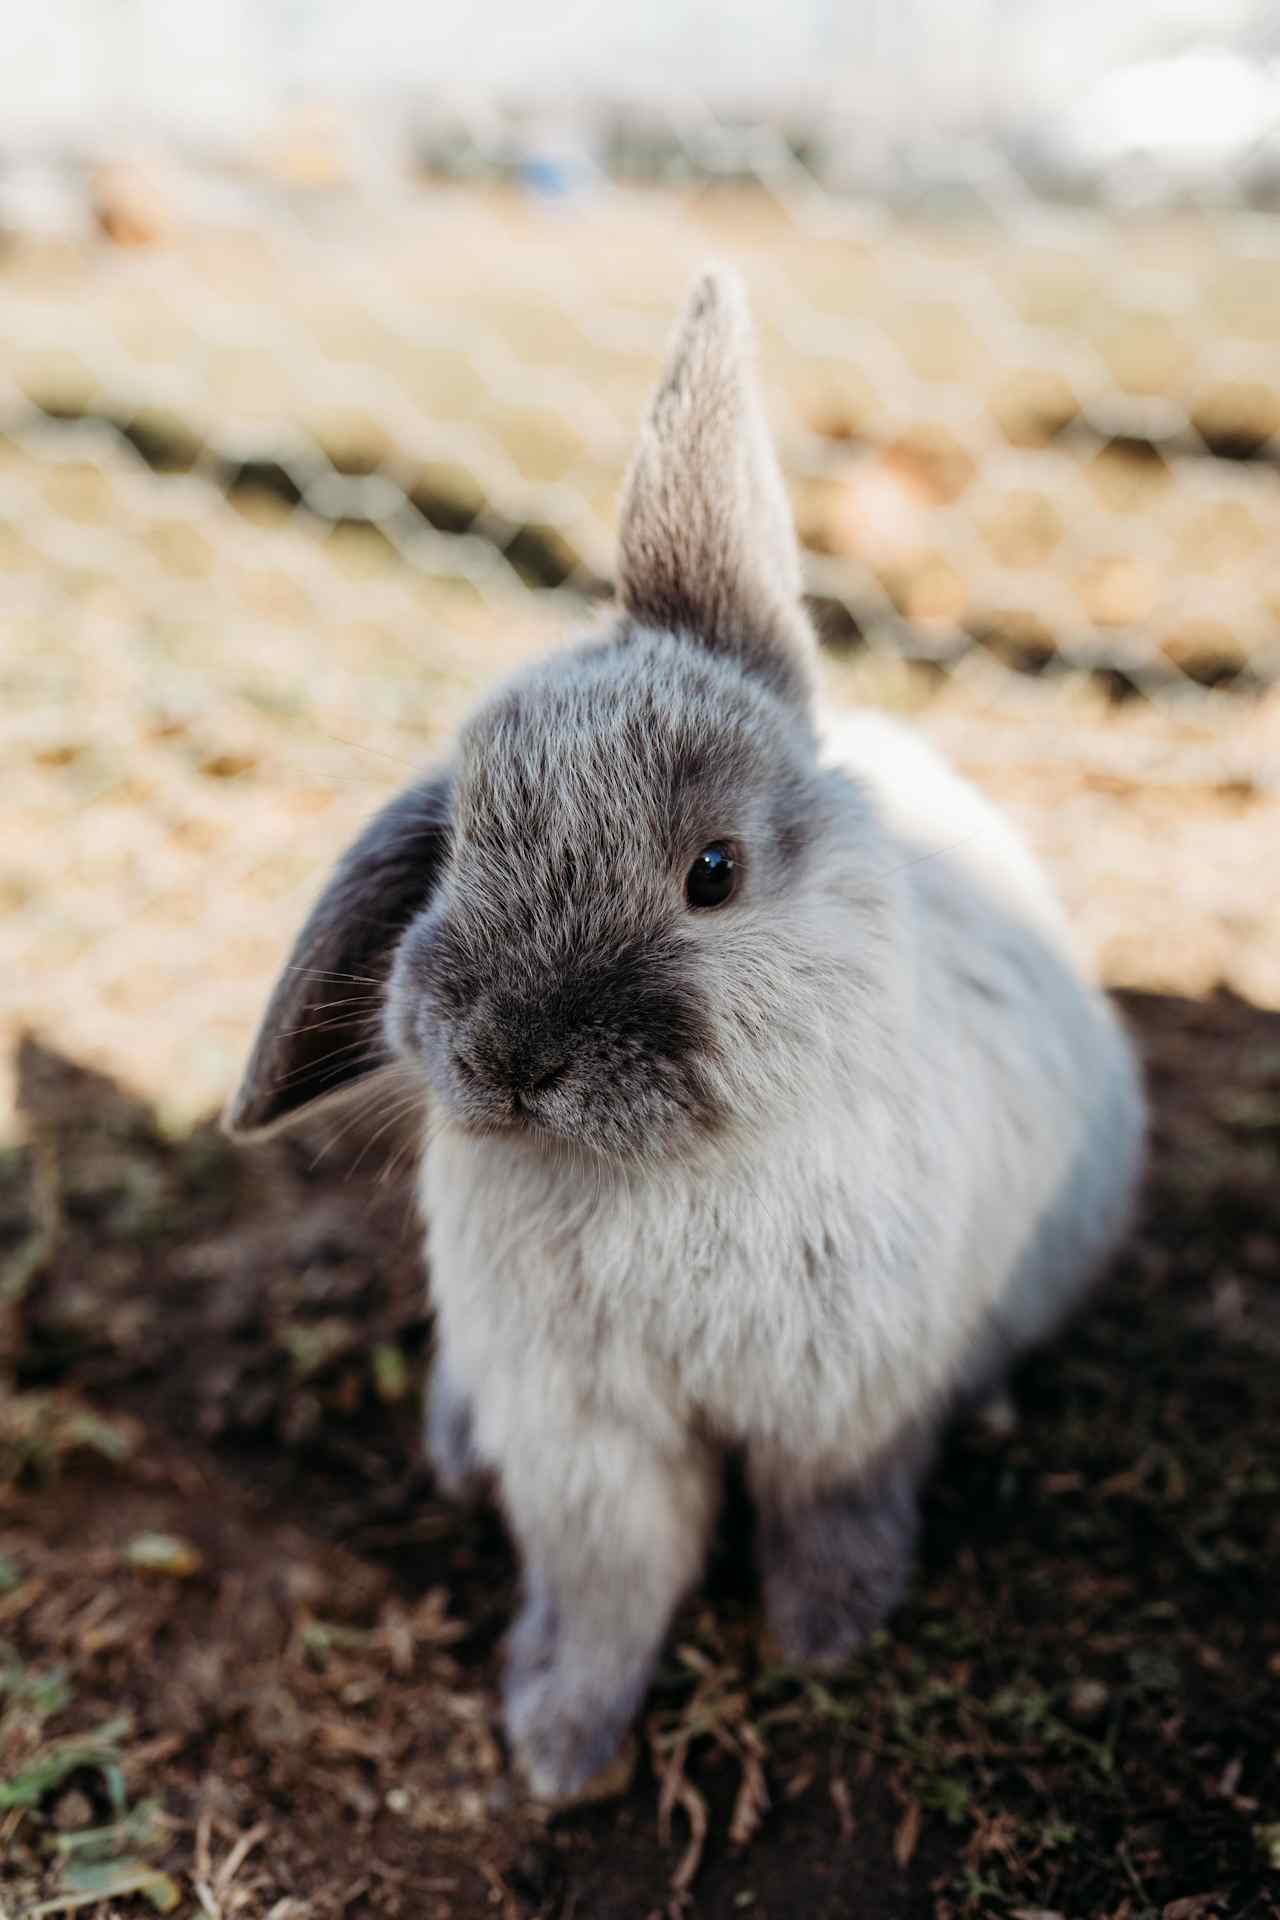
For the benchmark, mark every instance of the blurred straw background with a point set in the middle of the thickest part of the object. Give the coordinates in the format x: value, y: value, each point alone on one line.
x: 315, y: 395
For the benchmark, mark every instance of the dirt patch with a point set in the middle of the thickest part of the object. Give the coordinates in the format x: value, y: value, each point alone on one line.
x: 248, y: 1657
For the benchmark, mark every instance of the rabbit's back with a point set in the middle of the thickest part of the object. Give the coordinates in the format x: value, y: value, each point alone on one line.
x: 1034, y: 1070
x: 934, y: 811
x: 1023, y: 1054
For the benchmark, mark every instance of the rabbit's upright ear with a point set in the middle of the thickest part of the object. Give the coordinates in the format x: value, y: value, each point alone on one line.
x: 322, y: 1029
x: 707, y: 544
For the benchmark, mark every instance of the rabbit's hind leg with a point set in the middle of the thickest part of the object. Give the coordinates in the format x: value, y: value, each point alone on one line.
x: 834, y: 1554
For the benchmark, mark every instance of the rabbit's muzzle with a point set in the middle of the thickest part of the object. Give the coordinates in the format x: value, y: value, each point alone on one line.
x: 613, y: 1057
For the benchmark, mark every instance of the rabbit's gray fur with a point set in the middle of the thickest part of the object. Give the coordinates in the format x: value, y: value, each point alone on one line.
x: 792, y: 1178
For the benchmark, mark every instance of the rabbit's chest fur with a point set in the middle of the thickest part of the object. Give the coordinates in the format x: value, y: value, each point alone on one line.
x: 677, y: 1299
x: 661, y: 1298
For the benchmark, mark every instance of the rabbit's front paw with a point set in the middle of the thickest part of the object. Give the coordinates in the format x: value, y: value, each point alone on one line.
x: 568, y: 1742
x: 602, y: 1576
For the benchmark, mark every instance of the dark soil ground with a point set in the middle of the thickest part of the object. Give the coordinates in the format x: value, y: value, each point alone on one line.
x: 247, y: 1658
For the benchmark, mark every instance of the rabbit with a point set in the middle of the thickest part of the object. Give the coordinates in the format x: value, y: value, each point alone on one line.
x: 772, y: 1117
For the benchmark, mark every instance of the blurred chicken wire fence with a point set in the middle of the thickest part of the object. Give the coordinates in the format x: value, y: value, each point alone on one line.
x: 297, y: 446
x: 1035, y: 428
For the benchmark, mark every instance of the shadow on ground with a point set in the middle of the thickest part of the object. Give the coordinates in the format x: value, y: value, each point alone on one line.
x: 277, y: 1648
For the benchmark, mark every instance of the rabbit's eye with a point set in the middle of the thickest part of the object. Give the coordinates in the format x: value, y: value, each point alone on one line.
x: 711, y: 878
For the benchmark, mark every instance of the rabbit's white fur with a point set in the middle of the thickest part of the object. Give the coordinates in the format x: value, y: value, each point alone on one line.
x: 788, y: 1182
x: 669, y: 1294
x: 935, y: 1205
x: 928, y: 805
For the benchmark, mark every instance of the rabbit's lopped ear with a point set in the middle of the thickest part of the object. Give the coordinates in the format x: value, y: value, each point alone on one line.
x: 707, y: 546
x: 322, y: 1030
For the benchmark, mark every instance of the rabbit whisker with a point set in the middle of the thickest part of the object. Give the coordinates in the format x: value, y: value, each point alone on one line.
x: 354, y: 979
x: 362, y: 1100
x: 310, y: 1067
x: 371, y: 1017
x: 399, y: 1112
x: 934, y: 853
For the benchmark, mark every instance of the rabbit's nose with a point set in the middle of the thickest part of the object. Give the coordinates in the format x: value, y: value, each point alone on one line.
x: 513, y: 1059
x: 545, y: 1073
x: 533, y: 1065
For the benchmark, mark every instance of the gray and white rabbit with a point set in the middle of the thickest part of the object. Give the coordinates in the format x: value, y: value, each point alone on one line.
x: 771, y: 1115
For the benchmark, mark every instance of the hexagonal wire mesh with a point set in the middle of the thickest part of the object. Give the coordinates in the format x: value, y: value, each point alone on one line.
x: 293, y: 456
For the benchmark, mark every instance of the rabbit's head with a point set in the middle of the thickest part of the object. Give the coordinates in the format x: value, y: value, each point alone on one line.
x: 591, y: 927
